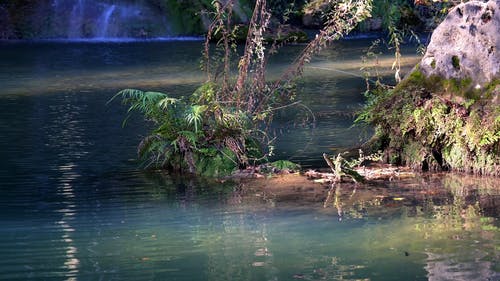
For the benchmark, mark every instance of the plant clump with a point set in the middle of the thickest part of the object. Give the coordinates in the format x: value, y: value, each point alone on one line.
x: 223, y: 125
x: 437, y: 124
x: 196, y: 135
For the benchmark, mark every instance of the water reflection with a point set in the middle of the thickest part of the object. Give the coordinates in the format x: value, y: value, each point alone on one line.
x: 416, y: 229
x: 155, y: 226
x: 67, y: 134
x: 460, y: 232
x: 44, y: 67
x: 68, y: 211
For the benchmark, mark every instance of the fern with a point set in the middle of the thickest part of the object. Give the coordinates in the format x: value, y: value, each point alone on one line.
x: 190, y: 136
x: 194, y: 115
x: 167, y: 102
x: 224, y: 123
x: 146, y: 144
x: 145, y: 102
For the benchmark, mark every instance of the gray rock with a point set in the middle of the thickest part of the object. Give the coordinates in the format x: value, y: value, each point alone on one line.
x: 466, y: 44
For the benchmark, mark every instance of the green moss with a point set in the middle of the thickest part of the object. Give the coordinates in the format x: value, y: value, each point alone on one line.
x: 285, y: 165
x: 414, y: 79
x: 455, y: 61
x: 438, y: 124
x: 492, y: 89
x: 461, y: 88
x: 433, y: 64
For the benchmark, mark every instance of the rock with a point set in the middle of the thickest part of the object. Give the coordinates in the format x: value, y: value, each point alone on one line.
x: 466, y: 45
x: 445, y: 115
x: 309, y: 20
x: 374, y: 24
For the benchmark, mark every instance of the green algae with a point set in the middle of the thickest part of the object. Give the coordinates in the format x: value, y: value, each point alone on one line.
x: 455, y: 61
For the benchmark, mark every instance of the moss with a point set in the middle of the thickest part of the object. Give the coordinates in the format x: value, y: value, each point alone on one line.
x: 458, y: 88
x: 433, y: 64
x: 438, y: 124
x: 492, y: 89
x: 455, y: 62
x: 416, y: 77
x: 285, y: 165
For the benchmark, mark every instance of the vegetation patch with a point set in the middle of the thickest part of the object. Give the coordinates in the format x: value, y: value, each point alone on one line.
x: 455, y: 61
x: 224, y: 124
x: 436, y: 124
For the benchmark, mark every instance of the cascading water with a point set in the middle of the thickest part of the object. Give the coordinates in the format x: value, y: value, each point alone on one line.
x: 103, y: 22
x: 105, y: 19
x: 76, y: 20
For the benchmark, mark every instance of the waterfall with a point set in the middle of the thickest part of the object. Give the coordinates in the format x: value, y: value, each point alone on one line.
x: 105, y: 19
x: 102, y: 25
x: 76, y: 20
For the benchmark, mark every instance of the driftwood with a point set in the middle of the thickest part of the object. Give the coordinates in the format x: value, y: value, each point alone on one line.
x: 371, y: 172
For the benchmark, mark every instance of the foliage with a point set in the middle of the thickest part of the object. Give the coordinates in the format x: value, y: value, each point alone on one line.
x: 342, y: 168
x: 432, y: 123
x: 186, y: 17
x: 31, y: 19
x: 222, y: 126
x: 436, y: 124
x: 198, y: 138
x: 285, y: 165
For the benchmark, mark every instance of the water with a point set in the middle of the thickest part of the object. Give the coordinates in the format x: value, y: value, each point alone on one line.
x: 93, y: 19
x: 75, y: 206
x: 103, y: 21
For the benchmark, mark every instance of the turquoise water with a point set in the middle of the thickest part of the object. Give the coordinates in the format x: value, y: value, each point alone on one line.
x: 75, y: 206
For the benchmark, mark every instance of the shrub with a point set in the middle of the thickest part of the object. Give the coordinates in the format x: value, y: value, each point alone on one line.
x: 222, y: 126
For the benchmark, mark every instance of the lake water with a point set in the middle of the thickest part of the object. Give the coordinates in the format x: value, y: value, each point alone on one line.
x: 75, y: 206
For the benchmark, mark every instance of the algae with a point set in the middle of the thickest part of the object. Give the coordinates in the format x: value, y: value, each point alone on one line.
x: 455, y: 61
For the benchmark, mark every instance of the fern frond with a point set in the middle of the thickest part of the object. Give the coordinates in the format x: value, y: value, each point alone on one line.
x: 190, y: 136
x: 194, y: 115
x: 166, y: 102
x: 149, y: 103
x: 146, y: 143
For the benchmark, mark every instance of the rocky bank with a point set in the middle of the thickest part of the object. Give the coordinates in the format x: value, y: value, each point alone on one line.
x: 445, y: 115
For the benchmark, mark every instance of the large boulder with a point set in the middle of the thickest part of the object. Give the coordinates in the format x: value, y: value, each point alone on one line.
x: 445, y: 115
x: 466, y: 45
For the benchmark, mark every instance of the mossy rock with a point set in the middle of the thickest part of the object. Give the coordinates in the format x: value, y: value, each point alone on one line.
x: 438, y: 124
x: 466, y: 44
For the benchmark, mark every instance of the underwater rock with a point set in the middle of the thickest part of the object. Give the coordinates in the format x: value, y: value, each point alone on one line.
x: 466, y: 44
